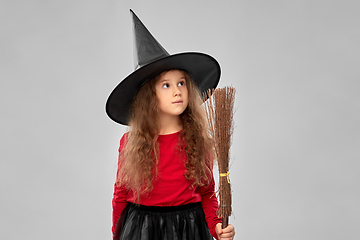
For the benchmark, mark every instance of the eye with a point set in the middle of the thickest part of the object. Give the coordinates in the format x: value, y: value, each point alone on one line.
x: 166, y: 85
x: 182, y: 83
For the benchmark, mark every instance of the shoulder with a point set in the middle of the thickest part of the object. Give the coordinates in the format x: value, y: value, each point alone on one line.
x: 124, y: 137
x: 123, y: 140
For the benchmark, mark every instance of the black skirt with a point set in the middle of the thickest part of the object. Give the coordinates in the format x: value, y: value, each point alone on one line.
x: 186, y: 222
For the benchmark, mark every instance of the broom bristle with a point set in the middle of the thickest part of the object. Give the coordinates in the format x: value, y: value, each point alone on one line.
x: 219, y: 111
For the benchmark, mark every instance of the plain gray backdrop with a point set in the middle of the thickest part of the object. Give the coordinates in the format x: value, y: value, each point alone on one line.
x: 295, y: 168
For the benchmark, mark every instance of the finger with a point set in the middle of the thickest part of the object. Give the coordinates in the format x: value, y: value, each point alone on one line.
x: 229, y: 228
x: 226, y: 235
x: 218, y: 229
x: 229, y: 238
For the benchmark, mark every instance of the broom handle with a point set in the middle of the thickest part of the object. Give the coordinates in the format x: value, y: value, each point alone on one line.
x: 225, y: 222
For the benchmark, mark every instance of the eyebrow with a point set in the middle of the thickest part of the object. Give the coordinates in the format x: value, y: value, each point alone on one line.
x: 164, y: 80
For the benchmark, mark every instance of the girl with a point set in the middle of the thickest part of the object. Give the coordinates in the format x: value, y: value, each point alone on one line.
x: 164, y: 187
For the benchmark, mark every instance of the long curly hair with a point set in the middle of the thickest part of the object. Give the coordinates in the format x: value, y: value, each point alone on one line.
x: 139, y: 157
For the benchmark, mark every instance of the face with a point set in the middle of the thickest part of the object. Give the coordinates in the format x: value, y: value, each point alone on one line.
x: 171, y: 93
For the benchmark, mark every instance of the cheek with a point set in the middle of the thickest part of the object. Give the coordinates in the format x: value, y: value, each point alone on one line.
x: 159, y: 96
x: 184, y: 91
x: 186, y: 95
x: 186, y: 99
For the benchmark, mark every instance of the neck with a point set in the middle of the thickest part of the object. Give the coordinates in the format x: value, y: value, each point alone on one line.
x: 169, y: 125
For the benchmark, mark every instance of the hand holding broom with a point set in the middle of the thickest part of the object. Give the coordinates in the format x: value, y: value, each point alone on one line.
x: 219, y: 111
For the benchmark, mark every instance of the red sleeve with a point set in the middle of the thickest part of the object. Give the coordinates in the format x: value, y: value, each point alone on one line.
x: 120, y: 195
x: 118, y: 203
x: 210, y: 206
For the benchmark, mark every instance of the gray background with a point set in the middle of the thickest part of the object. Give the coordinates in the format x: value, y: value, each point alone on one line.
x: 295, y: 157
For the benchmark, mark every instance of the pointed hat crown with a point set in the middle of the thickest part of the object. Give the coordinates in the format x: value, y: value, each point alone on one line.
x: 146, y: 48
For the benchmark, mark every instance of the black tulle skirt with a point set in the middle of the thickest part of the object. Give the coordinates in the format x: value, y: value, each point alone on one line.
x: 186, y: 222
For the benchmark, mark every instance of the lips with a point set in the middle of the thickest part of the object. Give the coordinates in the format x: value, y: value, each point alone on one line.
x: 179, y: 101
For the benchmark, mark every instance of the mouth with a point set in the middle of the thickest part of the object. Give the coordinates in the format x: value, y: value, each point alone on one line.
x: 177, y: 102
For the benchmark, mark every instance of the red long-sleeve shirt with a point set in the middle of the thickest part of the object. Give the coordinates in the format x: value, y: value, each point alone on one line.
x: 170, y: 188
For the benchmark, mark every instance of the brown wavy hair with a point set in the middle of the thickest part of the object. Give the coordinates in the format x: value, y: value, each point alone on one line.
x: 139, y: 157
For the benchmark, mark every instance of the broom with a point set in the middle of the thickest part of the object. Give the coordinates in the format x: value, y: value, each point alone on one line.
x: 219, y: 111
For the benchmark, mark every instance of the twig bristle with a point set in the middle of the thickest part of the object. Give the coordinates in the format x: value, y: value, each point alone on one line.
x: 219, y: 110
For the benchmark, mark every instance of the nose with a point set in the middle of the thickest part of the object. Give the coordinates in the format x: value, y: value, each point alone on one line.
x: 177, y: 92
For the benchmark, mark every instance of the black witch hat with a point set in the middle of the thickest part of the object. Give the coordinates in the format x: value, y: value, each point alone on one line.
x: 151, y: 59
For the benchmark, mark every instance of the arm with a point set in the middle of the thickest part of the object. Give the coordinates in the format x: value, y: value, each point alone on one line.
x: 210, y: 206
x: 118, y: 203
x: 119, y: 200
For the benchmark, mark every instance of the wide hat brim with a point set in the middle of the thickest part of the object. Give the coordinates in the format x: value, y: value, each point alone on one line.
x: 203, y: 69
